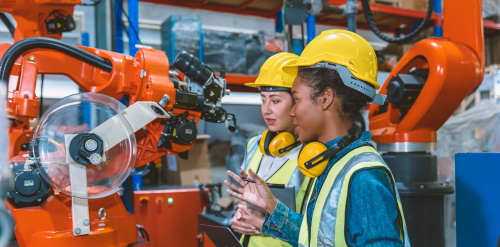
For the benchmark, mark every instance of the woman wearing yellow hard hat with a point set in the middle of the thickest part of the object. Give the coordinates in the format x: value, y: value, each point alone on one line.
x: 353, y: 199
x: 274, y: 153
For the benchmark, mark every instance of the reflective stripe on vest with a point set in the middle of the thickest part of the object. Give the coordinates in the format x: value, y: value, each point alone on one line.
x: 334, y: 192
x: 288, y: 173
x: 252, y: 146
x: 285, y: 175
x: 281, y: 176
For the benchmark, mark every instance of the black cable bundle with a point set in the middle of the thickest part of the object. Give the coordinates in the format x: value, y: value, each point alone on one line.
x: 371, y: 22
x: 17, y: 49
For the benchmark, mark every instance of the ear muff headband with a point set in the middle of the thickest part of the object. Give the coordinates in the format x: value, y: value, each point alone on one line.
x: 324, y: 156
x: 313, y: 167
x: 266, y: 138
x: 277, y: 145
x: 288, y: 148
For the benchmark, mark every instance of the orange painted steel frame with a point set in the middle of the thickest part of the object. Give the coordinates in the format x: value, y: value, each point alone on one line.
x: 30, y: 15
x: 456, y: 68
x: 50, y: 224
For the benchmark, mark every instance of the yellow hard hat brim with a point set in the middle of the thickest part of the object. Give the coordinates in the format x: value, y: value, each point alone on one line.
x: 252, y: 84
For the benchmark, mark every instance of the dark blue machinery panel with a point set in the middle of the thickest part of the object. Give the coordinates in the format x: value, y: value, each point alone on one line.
x: 478, y: 199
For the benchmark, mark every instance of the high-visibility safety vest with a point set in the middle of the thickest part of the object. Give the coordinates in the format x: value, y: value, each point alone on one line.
x: 289, y: 173
x: 329, y: 214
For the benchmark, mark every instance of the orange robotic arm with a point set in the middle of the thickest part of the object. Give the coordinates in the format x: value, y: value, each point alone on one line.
x: 423, y: 90
x: 144, y: 77
x: 40, y: 18
x: 441, y: 72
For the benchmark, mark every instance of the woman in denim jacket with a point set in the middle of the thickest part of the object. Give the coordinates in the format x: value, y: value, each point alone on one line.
x: 353, y: 199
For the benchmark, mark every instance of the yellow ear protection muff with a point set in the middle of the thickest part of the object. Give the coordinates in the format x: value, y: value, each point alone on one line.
x: 277, y: 144
x: 313, y: 167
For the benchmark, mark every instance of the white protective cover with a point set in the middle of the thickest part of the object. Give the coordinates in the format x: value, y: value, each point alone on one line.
x: 81, y: 113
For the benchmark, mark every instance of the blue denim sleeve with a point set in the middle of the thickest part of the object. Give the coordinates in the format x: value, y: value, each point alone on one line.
x: 283, y: 224
x: 372, y: 212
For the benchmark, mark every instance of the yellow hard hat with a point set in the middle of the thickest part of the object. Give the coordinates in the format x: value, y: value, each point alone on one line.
x: 271, y: 73
x: 344, y: 48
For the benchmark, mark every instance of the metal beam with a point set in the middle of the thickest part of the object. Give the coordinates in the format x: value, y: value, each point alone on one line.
x: 217, y: 8
x: 246, y: 4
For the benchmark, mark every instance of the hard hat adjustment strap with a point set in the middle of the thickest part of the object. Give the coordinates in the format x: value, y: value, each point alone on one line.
x: 274, y: 89
x: 349, y: 80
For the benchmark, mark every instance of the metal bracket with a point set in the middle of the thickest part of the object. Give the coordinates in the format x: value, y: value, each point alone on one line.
x: 137, y: 115
x: 351, y: 7
x: 79, y: 206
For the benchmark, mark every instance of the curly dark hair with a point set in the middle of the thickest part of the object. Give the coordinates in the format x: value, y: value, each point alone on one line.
x: 352, y: 101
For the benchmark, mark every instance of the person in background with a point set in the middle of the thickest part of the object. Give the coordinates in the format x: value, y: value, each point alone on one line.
x: 273, y: 155
x: 352, y: 199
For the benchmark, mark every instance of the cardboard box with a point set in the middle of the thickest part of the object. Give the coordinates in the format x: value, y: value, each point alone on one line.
x: 393, y: 3
x: 418, y: 5
x: 196, y: 167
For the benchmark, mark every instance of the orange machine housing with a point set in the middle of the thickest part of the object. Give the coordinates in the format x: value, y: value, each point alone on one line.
x: 170, y: 216
x: 49, y: 225
x: 30, y: 15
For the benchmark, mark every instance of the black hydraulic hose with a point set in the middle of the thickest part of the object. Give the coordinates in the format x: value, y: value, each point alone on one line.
x: 18, y: 48
x: 7, y: 23
x: 401, y: 40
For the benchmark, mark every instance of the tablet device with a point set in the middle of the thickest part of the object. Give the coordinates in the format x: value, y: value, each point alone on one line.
x: 221, y: 236
x: 286, y: 195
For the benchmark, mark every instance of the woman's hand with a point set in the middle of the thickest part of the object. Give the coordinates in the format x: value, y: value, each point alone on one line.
x: 244, y: 219
x: 253, y: 217
x: 257, y: 193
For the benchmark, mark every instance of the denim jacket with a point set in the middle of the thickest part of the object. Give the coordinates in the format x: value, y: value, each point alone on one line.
x: 367, y: 224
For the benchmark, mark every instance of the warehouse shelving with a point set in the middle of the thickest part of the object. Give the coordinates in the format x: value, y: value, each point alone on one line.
x: 388, y: 19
